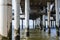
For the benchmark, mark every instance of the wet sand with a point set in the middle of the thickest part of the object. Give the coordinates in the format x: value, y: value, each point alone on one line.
x: 36, y: 34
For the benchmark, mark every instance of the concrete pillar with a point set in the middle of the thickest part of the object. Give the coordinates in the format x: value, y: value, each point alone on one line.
x: 17, y: 19
x: 27, y: 18
x: 51, y: 23
x: 5, y: 19
x: 22, y: 23
x: 39, y: 22
x: 44, y: 23
x: 54, y: 24
x: 33, y: 24
x: 41, y: 26
x: 48, y: 11
x: 57, y: 6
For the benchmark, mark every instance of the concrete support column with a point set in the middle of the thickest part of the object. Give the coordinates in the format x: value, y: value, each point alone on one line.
x: 9, y: 23
x: 17, y: 19
x: 27, y: 18
x: 33, y: 24
x: 41, y: 26
x: 51, y: 23
x: 54, y: 24
x: 44, y: 23
x: 22, y: 23
x: 57, y: 6
x: 5, y: 19
x: 39, y: 22
x: 48, y: 11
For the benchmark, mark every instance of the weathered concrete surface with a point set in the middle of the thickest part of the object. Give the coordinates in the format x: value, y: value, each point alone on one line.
x: 3, y: 38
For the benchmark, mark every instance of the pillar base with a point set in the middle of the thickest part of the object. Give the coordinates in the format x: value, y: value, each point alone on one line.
x: 3, y: 38
x: 49, y: 31
x: 10, y: 32
x: 44, y: 28
x: 41, y: 27
x: 17, y: 37
x: 57, y: 27
x: 17, y: 32
x: 58, y: 32
x: 27, y: 33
